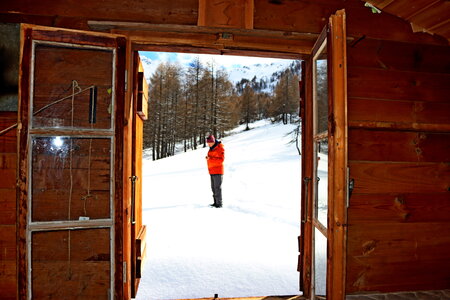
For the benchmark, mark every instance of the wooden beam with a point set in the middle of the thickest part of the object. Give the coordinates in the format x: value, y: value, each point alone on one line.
x: 142, y: 26
x: 229, y: 41
x: 249, y: 14
x: 226, y: 13
x: 158, y: 11
x: 201, y: 19
x: 337, y: 189
x: 209, y: 42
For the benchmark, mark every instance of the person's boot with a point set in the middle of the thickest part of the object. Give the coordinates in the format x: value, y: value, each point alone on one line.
x: 214, y: 204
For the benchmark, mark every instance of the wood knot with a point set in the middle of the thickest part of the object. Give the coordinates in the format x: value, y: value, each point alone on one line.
x: 368, y: 247
x: 399, y: 201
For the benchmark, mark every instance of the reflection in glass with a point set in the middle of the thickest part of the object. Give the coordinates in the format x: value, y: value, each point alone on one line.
x: 70, y: 178
x: 321, y: 207
x: 321, y: 93
x: 320, y: 262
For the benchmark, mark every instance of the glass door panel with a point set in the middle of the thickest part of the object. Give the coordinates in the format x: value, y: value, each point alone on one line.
x: 321, y: 205
x: 70, y: 178
x: 320, y: 169
x: 321, y: 90
x: 320, y: 263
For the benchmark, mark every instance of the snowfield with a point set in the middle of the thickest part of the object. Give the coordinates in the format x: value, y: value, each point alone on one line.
x: 248, y: 247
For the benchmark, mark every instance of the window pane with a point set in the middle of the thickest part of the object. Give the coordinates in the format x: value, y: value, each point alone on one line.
x: 72, y: 88
x: 320, y: 262
x: 321, y: 92
x: 71, y: 178
x: 321, y: 207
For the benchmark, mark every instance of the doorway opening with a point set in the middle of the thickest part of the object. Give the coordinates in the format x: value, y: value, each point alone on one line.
x: 123, y: 135
x: 249, y: 247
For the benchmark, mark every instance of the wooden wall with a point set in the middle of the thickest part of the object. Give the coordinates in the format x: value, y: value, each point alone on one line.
x: 9, y: 66
x: 8, y: 157
x: 399, y: 156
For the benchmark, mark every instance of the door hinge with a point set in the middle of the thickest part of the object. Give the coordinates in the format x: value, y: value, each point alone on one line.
x: 126, y: 80
x: 124, y: 272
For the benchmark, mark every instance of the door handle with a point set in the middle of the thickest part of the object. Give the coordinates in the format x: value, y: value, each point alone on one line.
x: 133, y: 198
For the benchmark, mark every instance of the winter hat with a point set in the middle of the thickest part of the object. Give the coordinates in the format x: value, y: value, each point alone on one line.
x: 210, y: 139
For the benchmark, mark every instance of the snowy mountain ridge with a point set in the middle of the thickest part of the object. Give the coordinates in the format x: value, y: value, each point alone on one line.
x: 268, y: 72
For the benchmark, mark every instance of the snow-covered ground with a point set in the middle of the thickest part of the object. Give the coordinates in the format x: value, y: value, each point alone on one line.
x: 246, y: 248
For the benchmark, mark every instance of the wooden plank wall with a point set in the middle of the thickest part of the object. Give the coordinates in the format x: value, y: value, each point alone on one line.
x: 399, y: 157
x: 8, y: 158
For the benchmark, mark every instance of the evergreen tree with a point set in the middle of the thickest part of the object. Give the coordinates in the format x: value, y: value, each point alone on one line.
x: 248, y: 105
x: 286, y: 98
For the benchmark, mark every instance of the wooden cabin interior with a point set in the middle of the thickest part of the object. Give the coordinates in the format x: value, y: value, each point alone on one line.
x: 70, y: 195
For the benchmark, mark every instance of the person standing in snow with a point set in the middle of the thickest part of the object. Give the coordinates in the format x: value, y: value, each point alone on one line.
x: 215, y: 158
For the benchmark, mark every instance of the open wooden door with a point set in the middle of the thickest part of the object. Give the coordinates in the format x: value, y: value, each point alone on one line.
x: 324, y: 166
x: 138, y: 230
x: 70, y: 203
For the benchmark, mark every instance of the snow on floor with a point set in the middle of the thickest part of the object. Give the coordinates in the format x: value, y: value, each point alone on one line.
x: 246, y: 248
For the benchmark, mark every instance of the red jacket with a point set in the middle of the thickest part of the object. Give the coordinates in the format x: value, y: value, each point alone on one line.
x: 216, y: 156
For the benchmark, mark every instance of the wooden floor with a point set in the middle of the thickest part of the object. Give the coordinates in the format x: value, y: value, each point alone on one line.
x: 419, y: 295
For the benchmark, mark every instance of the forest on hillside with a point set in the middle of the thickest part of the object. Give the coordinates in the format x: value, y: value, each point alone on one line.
x: 188, y: 103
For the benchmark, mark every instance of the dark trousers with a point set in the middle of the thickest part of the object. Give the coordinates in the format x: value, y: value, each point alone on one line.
x: 216, y: 186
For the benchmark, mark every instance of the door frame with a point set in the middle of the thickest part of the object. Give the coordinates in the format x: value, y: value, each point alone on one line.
x: 29, y: 34
x: 337, y: 231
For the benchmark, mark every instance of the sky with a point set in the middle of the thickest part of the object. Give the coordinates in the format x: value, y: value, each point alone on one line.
x: 246, y: 248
